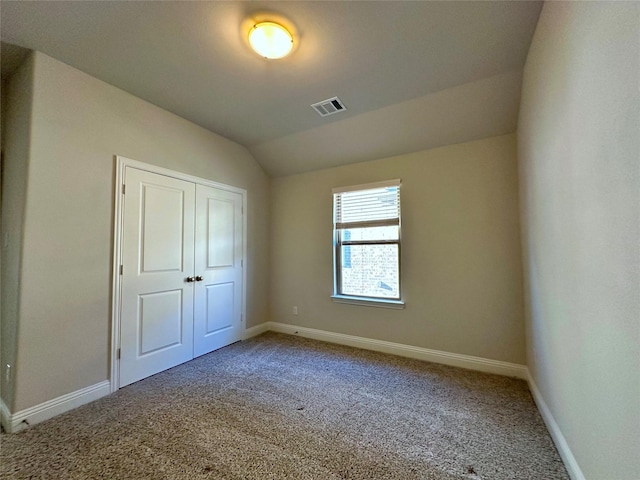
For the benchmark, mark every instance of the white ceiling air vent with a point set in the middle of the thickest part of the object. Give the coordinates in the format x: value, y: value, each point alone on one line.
x: 329, y: 106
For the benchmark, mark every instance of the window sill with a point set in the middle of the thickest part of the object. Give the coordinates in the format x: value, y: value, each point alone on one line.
x: 368, y: 302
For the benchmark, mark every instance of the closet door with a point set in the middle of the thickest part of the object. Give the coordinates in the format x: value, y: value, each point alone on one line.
x: 157, y: 278
x: 218, y: 261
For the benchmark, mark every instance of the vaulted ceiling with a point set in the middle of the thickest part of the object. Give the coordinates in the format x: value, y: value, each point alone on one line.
x: 413, y: 75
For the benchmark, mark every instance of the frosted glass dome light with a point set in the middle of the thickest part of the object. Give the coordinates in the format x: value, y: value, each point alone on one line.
x: 270, y: 40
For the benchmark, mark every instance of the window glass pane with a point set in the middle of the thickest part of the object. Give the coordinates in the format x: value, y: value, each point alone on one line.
x: 370, y: 271
x: 371, y: 233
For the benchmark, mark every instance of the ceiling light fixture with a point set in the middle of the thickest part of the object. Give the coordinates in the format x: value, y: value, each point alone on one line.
x: 270, y: 40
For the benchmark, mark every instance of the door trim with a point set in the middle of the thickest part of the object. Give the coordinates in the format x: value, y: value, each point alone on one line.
x: 121, y: 165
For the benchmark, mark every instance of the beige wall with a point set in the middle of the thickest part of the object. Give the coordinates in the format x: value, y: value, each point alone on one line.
x: 16, y: 119
x: 4, y: 104
x: 461, y: 269
x: 79, y: 124
x: 579, y: 154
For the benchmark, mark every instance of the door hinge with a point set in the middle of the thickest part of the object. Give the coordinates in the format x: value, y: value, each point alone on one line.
x: 121, y: 269
x: 124, y: 188
x: 242, y: 263
x: 119, y: 352
x: 242, y: 210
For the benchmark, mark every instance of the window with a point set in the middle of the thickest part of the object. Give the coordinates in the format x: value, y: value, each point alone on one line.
x: 366, y: 230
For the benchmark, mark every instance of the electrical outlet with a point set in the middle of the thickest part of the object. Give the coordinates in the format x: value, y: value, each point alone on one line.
x: 295, y: 310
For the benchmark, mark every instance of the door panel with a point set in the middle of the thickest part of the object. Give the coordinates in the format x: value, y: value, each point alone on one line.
x: 160, y: 321
x: 219, y: 307
x: 163, y: 218
x: 220, y: 233
x: 157, y: 254
x: 218, y: 258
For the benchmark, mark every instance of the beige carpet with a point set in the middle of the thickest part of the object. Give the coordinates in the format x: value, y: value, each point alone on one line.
x: 282, y: 407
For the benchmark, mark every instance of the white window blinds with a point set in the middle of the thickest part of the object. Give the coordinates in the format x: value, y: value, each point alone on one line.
x: 375, y: 205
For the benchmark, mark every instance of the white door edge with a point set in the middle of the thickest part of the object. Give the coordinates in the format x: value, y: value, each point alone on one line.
x: 121, y: 164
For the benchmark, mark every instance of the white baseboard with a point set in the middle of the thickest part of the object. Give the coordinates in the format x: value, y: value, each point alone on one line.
x: 435, y: 356
x: 32, y: 415
x: 556, y: 434
x: 255, y: 331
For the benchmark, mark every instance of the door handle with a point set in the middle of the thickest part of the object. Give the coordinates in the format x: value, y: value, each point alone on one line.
x: 190, y: 279
x: 199, y: 278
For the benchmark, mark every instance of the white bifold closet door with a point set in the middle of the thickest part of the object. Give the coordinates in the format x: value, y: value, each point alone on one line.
x: 218, y: 259
x: 182, y: 272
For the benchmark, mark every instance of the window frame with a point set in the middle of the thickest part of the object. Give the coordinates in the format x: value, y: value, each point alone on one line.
x: 338, y: 243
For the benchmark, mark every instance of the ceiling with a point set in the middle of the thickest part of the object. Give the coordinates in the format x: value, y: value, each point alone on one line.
x: 413, y: 75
